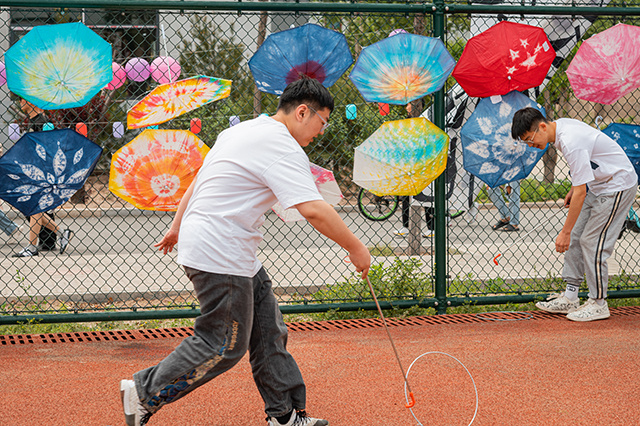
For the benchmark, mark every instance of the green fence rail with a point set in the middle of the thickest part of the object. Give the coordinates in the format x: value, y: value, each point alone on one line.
x: 111, y: 270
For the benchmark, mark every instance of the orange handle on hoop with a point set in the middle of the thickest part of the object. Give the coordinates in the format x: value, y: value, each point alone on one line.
x: 412, y: 402
x: 495, y: 259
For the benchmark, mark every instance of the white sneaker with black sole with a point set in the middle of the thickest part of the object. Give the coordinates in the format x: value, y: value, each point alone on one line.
x: 28, y: 251
x: 64, y: 239
x: 298, y: 418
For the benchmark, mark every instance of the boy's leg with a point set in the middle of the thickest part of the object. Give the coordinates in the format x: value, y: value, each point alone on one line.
x: 600, y: 236
x: 220, y: 340
x: 514, y: 203
x: 495, y: 195
x: 7, y: 225
x: 573, y: 268
x: 275, y: 372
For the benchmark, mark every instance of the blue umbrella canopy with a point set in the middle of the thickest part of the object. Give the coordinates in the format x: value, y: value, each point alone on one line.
x: 310, y: 49
x: 402, y: 68
x: 59, y: 66
x: 628, y: 137
x: 489, y: 152
x: 44, y: 169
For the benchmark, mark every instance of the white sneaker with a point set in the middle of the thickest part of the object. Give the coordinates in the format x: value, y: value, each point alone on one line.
x: 558, y: 304
x: 402, y: 232
x: 64, y: 239
x: 298, y: 418
x: 134, y: 413
x: 28, y: 251
x: 590, y: 311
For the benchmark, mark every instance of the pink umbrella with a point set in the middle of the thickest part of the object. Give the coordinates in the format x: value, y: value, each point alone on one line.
x: 327, y: 186
x: 607, y: 65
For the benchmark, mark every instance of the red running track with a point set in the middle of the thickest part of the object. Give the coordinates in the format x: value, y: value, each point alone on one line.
x: 540, y: 370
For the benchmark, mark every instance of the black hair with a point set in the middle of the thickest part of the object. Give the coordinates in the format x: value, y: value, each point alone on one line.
x: 305, y: 90
x: 525, y: 120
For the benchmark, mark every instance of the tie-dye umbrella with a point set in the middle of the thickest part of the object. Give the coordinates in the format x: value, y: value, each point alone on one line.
x: 508, y: 56
x: 402, y: 68
x: 44, y: 169
x: 59, y: 66
x: 402, y: 157
x: 489, y: 152
x: 607, y: 65
x: 309, y: 50
x: 628, y: 137
x: 154, y: 170
x: 327, y: 186
x: 171, y: 100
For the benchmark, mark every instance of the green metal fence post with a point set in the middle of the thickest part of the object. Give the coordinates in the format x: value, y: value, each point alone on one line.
x: 440, y: 202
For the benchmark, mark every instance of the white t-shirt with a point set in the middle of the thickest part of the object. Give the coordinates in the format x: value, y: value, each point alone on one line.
x: 251, y: 166
x: 594, y: 158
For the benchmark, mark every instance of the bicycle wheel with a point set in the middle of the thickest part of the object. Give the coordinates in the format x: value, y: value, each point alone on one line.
x: 377, y: 208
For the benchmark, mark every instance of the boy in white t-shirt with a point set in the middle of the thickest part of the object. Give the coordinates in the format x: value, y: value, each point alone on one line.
x: 603, y: 187
x: 252, y: 166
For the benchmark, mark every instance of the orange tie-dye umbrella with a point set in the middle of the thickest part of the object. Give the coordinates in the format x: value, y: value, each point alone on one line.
x: 154, y: 170
x: 171, y: 100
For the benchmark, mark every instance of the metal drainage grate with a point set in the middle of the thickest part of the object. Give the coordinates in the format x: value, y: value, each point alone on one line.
x: 96, y: 336
x: 182, y: 332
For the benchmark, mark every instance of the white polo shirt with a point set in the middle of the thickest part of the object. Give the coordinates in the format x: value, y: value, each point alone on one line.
x: 594, y: 158
x: 252, y: 165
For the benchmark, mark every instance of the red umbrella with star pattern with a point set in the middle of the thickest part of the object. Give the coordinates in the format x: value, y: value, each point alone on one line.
x: 506, y: 57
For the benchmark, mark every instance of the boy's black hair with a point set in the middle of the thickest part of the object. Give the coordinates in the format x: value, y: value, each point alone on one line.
x: 525, y: 120
x: 307, y: 91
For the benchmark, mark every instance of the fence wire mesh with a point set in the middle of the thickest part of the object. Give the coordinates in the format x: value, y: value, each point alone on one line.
x: 111, y: 264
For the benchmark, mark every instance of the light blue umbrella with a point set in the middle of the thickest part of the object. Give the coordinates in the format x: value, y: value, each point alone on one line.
x: 402, y: 68
x: 59, y: 66
x: 489, y: 152
x: 44, y: 169
x: 628, y: 137
x: 310, y: 50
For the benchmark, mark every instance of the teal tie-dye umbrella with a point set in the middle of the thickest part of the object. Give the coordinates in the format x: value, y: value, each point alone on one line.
x: 59, y: 66
x: 402, y: 157
x: 402, y: 68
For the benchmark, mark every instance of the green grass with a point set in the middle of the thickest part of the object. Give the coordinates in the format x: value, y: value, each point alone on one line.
x: 532, y: 190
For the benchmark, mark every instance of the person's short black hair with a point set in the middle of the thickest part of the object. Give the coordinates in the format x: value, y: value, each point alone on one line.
x: 525, y: 120
x: 307, y: 91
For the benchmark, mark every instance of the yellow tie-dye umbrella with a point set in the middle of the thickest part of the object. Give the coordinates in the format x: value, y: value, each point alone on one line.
x: 171, y: 100
x: 402, y: 157
x: 154, y: 170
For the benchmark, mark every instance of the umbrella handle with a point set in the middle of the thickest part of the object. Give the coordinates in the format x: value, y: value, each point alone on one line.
x: 411, y: 403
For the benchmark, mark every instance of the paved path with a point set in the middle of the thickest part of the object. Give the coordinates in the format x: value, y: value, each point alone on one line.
x: 542, y: 370
x: 112, y: 254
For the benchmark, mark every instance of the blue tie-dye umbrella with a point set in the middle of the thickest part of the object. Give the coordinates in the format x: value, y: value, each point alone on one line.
x: 309, y: 50
x: 628, y: 137
x: 402, y: 157
x: 489, y: 152
x: 59, y: 66
x: 402, y: 68
x: 44, y: 169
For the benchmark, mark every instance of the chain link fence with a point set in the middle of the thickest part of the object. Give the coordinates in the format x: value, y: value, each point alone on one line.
x: 111, y: 267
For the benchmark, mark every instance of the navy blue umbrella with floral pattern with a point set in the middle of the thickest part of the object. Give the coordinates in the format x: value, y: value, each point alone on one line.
x: 44, y: 169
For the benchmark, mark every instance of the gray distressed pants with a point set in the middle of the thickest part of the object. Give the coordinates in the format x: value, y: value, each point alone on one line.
x: 593, y: 238
x: 238, y: 313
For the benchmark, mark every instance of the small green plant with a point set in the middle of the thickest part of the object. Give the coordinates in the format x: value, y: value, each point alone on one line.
x: 402, y: 279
